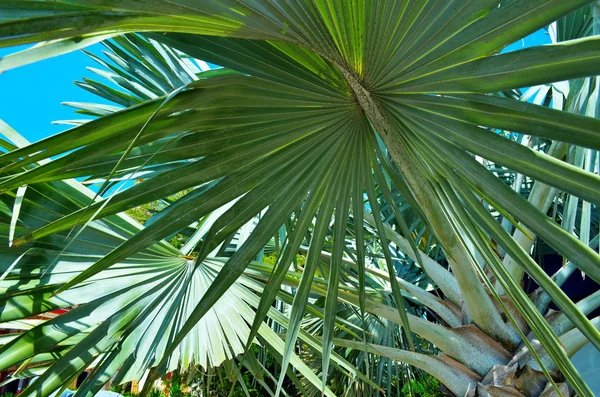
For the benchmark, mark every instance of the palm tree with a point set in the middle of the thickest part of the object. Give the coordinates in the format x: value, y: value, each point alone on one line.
x: 360, y: 134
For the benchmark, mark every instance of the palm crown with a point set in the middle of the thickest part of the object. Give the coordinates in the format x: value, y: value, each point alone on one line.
x: 362, y: 133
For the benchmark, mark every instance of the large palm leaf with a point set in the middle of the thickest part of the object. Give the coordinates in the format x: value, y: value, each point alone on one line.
x: 297, y: 132
x: 120, y: 311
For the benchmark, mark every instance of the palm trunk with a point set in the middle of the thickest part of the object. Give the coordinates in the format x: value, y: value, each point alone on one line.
x: 478, y: 305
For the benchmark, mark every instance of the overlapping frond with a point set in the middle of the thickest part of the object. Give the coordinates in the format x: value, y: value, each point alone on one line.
x: 324, y: 112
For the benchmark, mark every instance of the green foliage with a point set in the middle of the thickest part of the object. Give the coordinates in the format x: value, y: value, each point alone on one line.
x: 394, y: 117
x: 427, y: 386
x: 175, y: 390
x: 224, y: 386
x: 144, y: 212
x: 218, y: 384
x: 271, y: 259
x: 125, y: 390
x: 155, y: 393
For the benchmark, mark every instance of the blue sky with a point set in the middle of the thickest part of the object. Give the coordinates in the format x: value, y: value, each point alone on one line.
x: 31, y: 95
